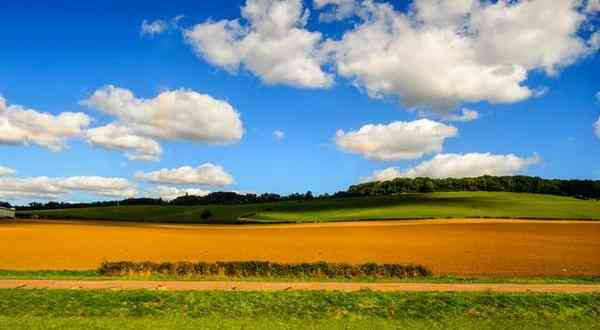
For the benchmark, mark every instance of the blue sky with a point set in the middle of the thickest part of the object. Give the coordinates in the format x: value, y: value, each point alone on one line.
x: 56, y: 54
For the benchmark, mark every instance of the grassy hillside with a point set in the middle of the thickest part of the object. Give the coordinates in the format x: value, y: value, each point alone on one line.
x: 409, y: 206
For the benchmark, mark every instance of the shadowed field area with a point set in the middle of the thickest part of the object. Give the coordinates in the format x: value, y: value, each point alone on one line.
x: 461, y: 247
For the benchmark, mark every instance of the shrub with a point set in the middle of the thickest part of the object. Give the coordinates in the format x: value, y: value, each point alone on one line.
x: 264, y: 269
x: 206, y: 214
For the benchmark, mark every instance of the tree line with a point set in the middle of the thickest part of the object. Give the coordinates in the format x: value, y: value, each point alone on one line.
x: 215, y: 198
x: 583, y: 189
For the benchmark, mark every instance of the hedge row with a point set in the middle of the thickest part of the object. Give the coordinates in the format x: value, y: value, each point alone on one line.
x: 264, y: 269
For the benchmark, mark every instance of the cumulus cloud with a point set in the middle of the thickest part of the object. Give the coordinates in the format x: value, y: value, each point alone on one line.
x: 5, y: 171
x: 206, y: 174
x: 113, y: 136
x: 271, y: 42
x: 597, y: 126
x: 598, y: 96
x: 278, y: 135
x: 460, y: 166
x: 338, y: 9
x: 172, y: 115
x: 13, y: 188
x: 397, y: 140
x: 21, y: 126
x: 447, y: 52
x: 171, y: 193
x: 464, y: 116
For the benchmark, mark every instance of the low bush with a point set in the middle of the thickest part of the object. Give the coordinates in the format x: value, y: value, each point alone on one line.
x: 264, y: 269
x: 206, y: 214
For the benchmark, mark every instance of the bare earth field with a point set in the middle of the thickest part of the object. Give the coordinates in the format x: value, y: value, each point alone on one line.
x: 461, y: 247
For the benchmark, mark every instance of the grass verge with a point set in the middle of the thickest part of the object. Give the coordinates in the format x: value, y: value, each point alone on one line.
x: 95, y: 275
x: 31, y: 309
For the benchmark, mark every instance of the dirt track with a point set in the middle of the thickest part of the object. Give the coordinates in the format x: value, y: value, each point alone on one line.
x: 462, y: 247
x: 294, y: 286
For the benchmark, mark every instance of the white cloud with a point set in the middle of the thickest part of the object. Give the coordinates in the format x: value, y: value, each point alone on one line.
x: 445, y: 53
x: 598, y: 96
x: 171, y: 193
x: 338, y: 9
x: 272, y: 43
x: 460, y: 166
x: 597, y: 126
x: 278, y: 135
x: 154, y: 27
x: 172, y: 115
x: 21, y: 126
x: 206, y: 174
x: 6, y: 171
x: 397, y: 140
x: 52, y: 188
x: 113, y: 136
x: 464, y: 116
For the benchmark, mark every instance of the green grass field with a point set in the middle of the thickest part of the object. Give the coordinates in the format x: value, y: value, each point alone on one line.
x: 409, y: 206
x: 60, y: 309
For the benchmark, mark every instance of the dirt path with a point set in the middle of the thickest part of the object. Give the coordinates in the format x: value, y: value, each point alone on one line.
x: 294, y: 286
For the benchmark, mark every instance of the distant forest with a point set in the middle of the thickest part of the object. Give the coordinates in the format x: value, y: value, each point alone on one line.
x: 583, y: 189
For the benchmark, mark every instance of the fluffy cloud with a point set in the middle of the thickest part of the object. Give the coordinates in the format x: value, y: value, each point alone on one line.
x: 339, y: 9
x: 178, y: 114
x: 437, y: 55
x: 170, y: 193
x: 171, y: 115
x: 447, y: 52
x: 206, y: 174
x: 113, y: 136
x: 272, y: 43
x: 460, y: 166
x: 21, y: 126
x: 597, y: 126
x: 51, y: 188
x: 5, y: 171
x: 397, y: 140
x: 464, y: 116
x: 278, y: 135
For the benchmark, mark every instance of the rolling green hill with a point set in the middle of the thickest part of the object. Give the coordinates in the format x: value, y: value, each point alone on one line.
x: 405, y: 206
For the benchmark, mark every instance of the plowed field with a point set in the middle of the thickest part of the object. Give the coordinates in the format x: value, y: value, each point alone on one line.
x: 462, y: 247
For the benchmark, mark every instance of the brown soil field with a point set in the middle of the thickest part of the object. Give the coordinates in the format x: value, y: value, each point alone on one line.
x: 294, y: 286
x: 461, y: 247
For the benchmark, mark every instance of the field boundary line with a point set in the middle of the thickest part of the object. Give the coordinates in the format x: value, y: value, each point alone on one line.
x: 295, y: 286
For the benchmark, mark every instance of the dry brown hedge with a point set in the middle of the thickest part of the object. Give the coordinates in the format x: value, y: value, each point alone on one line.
x: 264, y: 269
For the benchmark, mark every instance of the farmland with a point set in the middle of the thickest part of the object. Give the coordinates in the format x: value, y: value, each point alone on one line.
x: 463, y: 237
x: 463, y: 247
x: 405, y: 206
